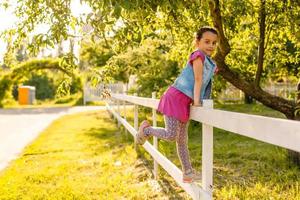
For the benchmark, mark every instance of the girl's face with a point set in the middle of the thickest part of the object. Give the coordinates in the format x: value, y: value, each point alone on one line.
x: 207, y: 43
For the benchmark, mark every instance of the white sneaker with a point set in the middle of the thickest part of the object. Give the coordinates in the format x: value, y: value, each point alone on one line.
x: 191, y: 177
x: 141, y: 137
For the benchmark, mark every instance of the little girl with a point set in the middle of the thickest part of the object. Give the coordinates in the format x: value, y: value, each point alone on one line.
x: 191, y: 87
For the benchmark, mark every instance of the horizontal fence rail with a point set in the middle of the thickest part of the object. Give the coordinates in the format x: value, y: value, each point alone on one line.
x: 280, y: 132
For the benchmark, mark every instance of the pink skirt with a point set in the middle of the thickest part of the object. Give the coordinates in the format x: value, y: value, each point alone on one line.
x: 175, y: 104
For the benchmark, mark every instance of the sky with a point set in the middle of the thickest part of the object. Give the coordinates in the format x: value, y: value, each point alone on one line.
x: 76, y: 7
x: 5, y: 24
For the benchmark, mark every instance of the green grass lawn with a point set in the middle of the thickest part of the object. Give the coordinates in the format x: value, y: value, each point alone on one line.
x: 80, y: 156
x: 85, y: 156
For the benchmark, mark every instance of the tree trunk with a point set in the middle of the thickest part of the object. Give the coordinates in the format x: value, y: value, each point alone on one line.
x: 293, y: 155
x: 248, y: 99
x: 261, y: 48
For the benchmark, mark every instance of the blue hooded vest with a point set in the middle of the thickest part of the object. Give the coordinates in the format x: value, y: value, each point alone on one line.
x: 186, y: 80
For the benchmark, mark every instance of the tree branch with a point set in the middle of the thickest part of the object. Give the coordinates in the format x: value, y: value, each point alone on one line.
x: 217, y: 20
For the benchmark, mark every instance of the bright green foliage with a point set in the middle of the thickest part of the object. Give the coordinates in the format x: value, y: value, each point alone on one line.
x: 93, y: 58
x: 21, y: 73
x: 43, y: 85
x: 46, y: 84
x: 129, y: 23
x: 282, y: 38
x: 125, y: 25
x: 150, y: 62
x: 95, y: 54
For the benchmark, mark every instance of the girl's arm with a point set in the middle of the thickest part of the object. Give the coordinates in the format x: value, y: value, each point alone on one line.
x: 198, y: 69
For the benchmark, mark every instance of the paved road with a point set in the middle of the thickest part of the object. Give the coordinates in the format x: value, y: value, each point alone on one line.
x: 18, y: 127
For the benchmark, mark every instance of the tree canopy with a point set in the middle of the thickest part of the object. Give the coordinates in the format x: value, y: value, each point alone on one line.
x: 259, y: 39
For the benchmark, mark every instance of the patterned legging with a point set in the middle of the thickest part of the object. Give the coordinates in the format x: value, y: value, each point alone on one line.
x: 174, y: 130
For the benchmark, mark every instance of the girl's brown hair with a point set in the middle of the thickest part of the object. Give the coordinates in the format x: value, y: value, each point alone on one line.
x: 204, y: 29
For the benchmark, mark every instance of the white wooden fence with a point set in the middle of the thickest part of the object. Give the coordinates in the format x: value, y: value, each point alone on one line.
x: 280, y: 132
x: 230, y: 94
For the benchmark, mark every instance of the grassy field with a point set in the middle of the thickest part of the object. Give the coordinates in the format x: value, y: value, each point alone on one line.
x: 85, y: 156
x: 80, y: 156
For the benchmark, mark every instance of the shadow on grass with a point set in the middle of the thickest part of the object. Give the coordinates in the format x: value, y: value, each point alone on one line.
x: 47, y: 152
x: 170, y: 189
x: 110, y: 138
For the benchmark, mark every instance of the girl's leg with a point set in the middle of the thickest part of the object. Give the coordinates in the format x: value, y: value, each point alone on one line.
x: 174, y: 130
x: 182, y: 148
x: 168, y: 133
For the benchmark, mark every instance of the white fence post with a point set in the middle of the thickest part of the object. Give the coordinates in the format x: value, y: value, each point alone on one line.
x: 113, y: 107
x: 118, y: 110
x: 84, y: 94
x: 207, y: 152
x: 124, y: 110
x: 136, y: 121
x: 155, y: 140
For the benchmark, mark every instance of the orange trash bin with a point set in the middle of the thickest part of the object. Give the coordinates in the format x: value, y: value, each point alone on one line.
x: 26, y: 95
